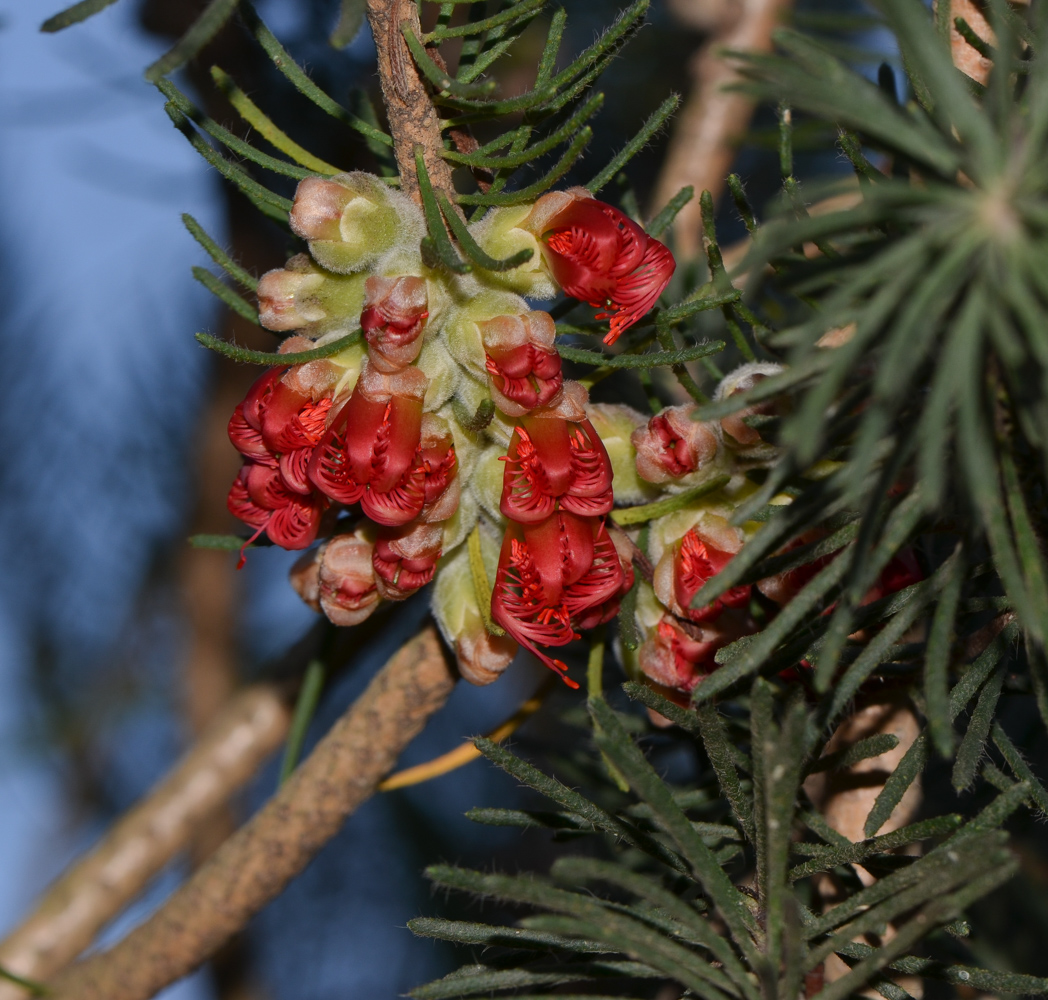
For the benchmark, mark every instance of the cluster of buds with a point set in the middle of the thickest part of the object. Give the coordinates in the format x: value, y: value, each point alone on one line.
x: 446, y: 443
x: 376, y: 450
x: 693, y: 544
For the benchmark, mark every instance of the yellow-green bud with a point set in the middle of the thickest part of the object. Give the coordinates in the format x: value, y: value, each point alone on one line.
x: 351, y: 220
x: 499, y: 236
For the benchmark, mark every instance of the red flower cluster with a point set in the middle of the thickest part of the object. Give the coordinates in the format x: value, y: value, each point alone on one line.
x: 306, y: 450
x: 559, y: 569
x: 600, y: 256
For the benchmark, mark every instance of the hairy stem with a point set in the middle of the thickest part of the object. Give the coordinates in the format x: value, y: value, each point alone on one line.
x: 413, y: 120
x: 76, y: 907
x: 258, y: 861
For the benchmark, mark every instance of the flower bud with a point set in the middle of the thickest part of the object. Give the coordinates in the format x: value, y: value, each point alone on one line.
x: 680, y: 656
x: 405, y: 558
x: 347, y: 585
x: 523, y: 365
x: 500, y: 235
x: 598, y: 255
x: 461, y: 330
x: 482, y: 657
x: 686, y: 566
x: 747, y: 442
x: 299, y: 296
x: 351, y: 220
x: 305, y: 577
x: 438, y: 458
x: 673, y: 445
x: 394, y: 313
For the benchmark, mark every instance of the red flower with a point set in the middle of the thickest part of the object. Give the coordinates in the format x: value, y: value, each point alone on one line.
x: 550, y: 575
x: 439, y: 467
x: 260, y: 498
x: 276, y: 428
x: 694, y: 561
x: 404, y: 559
x: 680, y: 656
x: 673, y: 445
x: 370, y: 453
x: 555, y: 464
x: 395, y: 311
x: 524, y: 366
x: 600, y: 256
x: 338, y: 580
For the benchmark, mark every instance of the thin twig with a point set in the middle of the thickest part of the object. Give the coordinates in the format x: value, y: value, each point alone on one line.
x: 713, y: 120
x: 83, y: 900
x: 258, y: 861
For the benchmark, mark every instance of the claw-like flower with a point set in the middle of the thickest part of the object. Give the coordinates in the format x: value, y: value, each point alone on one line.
x: 523, y: 364
x: 395, y: 311
x: 338, y: 579
x: 405, y: 558
x: 555, y: 464
x: 680, y: 656
x: 370, y: 452
x: 684, y: 569
x: 550, y: 575
x: 600, y: 256
x: 673, y: 445
x: 276, y: 428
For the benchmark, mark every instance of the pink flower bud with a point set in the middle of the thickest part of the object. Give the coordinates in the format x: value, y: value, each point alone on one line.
x: 285, y: 299
x: 394, y: 314
x: 405, y: 558
x: 600, y: 256
x: 523, y: 364
x: 738, y: 435
x: 299, y: 296
x: 348, y: 594
x: 352, y: 219
x: 673, y: 445
x: 679, y: 655
x: 440, y: 466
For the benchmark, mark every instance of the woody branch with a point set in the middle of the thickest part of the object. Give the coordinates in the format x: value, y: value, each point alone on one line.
x: 258, y: 861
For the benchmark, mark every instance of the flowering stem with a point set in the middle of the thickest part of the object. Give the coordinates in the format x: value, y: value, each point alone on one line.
x: 413, y: 120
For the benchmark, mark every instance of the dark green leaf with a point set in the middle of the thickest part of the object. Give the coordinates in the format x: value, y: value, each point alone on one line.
x: 75, y: 14
x: 242, y: 354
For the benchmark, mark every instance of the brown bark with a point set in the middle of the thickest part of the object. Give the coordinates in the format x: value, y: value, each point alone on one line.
x: 713, y: 121
x: 258, y: 861
x: 413, y: 121
x: 101, y: 884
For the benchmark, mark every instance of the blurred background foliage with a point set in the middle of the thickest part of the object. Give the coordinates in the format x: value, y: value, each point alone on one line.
x: 116, y: 644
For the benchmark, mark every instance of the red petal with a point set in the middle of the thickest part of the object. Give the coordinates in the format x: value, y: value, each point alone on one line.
x: 399, y: 505
x: 638, y: 292
x: 328, y: 470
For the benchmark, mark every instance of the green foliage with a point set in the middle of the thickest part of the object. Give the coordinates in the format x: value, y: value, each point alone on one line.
x: 660, y: 904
